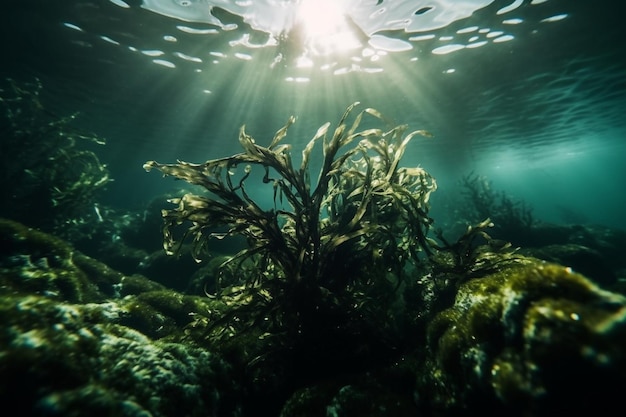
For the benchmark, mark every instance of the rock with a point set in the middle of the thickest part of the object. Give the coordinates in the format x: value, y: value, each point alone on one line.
x: 62, y: 359
x: 586, y: 261
x: 79, y: 338
x: 533, y: 339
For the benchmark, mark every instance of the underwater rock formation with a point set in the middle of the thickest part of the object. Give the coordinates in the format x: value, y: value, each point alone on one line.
x: 530, y: 340
x: 79, y: 338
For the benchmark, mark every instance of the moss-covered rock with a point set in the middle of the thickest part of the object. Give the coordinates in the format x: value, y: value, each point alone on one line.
x: 73, y: 360
x: 592, y: 263
x: 79, y: 338
x: 34, y: 262
x: 532, y: 339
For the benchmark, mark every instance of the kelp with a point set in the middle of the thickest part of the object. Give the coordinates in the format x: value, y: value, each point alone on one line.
x: 357, y: 224
x: 49, y: 179
x: 362, y: 201
x: 475, y: 253
x: 510, y: 217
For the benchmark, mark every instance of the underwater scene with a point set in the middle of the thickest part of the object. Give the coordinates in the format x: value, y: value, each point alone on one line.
x: 303, y: 208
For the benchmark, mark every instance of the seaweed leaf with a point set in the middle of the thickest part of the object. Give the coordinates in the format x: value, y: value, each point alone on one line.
x: 324, y: 241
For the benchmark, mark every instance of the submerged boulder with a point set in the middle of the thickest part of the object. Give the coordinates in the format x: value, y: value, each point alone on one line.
x: 71, y: 360
x: 78, y: 338
x: 532, y: 339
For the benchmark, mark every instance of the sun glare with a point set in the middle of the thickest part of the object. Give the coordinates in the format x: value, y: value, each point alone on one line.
x: 326, y: 27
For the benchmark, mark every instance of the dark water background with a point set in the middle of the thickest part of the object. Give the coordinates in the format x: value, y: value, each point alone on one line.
x: 542, y: 116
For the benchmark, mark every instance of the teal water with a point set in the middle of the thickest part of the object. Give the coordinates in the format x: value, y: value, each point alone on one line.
x: 521, y: 105
x: 530, y: 94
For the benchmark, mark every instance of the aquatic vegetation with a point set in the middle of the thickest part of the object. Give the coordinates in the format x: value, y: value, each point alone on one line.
x: 475, y: 253
x: 509, y: 216
x: 363, y: 205
x: 49, y: 179
x: 323, y: 263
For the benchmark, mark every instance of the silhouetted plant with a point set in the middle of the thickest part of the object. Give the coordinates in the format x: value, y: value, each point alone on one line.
x: 509, y: 216
x: 475, y: 253
x: 325, y: 245
x: 48, y: 180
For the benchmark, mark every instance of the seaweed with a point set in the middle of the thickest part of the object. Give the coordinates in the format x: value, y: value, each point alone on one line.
x: 49, y: 180
x: 474, y: 254
x: 510, y: 217
x: 327, y: 250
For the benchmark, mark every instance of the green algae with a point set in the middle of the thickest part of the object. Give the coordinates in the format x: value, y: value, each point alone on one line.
x: 327, y: 233
x: 524, y: 339
x: 57, y: 362
x: 79, y: 337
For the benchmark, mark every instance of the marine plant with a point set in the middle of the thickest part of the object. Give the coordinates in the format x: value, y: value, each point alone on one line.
x: 510, y: 217
x: 475, y: 253
x: 50, y: 178
x: 329, y: 245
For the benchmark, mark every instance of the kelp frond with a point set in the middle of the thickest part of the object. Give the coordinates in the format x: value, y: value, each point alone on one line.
x: 363, y: 211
